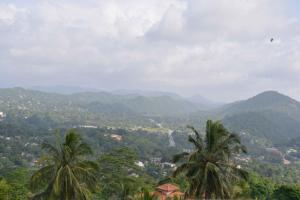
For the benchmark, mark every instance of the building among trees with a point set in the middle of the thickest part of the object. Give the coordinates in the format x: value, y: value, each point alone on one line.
x: 168, y: 191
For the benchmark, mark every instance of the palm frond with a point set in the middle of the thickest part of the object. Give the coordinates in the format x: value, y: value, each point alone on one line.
x: 83, y: 150
x: 197, y: 143
x: 67, y: 174
x: 208, y: 168
x: 194, y: 131
x: 41, y: 177
x: 180, y: 156
x: 53, y: 151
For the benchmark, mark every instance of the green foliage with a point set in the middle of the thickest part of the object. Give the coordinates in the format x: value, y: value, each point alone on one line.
x: 102, y: 108
x: 31, y: 117
x: 277, y: 173
x: 275, y: 126
x: 241, y: 190
x: 65, y: 172
x: 145, y: 195
x: 119, y: 174
x: 287, y: 192
x: 260, y: 188
x: 5, y: 190
x: 208, y: 168
x: 14, y: 185
x: 269, y: 114
x: 18, y: 180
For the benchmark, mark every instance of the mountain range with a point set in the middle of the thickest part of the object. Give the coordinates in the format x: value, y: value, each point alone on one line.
x: 270, y: 115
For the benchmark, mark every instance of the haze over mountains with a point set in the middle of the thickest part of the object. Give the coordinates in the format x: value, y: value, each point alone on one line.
x: 270, y: 115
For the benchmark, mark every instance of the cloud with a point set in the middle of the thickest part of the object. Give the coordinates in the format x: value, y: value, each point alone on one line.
x: 9, y: 14
x: 218, y: 48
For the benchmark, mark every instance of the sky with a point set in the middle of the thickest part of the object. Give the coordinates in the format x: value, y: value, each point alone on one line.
x: 219, y: 49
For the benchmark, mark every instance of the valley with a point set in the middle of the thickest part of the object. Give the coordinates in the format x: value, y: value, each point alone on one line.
x: 155, y: 126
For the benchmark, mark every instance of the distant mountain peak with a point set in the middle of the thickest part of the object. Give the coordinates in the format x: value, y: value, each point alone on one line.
x: 269, y: 114
x: 271, y: 97
x: 270, y: 93
x: 268, y: 100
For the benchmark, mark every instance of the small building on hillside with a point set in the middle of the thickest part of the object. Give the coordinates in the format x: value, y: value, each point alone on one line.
x: 291, y: 151
x: 156, y: 160
x: 2, y: 116
x: 168, y: 165
x: 140, y: 164
x: 116, y: 137
x: 168, y: 191
x: 286, y: 162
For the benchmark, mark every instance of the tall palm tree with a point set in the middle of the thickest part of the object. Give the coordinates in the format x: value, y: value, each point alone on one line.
x: 65, y: 172
x: 209, y: 168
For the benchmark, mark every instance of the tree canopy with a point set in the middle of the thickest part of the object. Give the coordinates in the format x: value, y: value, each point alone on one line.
x: 65, y: 174
x: 209, y: 168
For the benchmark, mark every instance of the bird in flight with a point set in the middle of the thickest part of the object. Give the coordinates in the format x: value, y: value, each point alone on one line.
x: 272, y: 39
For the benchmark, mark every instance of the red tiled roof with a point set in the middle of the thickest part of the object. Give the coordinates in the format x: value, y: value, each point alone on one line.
x: 166, y: 191
x: 168, y: 187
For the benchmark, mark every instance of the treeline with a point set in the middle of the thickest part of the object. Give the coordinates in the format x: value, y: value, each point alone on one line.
x: 69, y: 170
x: 14, y: 186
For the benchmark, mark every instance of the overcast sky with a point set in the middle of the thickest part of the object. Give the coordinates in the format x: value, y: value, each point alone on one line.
x: 220, y: 49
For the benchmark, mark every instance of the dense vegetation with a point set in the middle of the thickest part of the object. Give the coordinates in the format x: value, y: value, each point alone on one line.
x: 122, y: 131
x: 120, y: 177
x: 64, y: 172
x: 209, y: 169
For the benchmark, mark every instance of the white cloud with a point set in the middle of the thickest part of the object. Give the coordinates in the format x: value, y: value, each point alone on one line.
x: 219, y: 48
x: 9, y: 14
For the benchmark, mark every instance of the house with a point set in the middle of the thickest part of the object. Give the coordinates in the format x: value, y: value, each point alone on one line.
x: 156, y: 160
x: 2, y: 116
x: 116, y: 137
x: 187, y: 150
x: 291, y: 151
x: 88, y: 126
x: 168, y: 165
x: 140, y: 164
x: 168, y: 191
x: 286, y: 162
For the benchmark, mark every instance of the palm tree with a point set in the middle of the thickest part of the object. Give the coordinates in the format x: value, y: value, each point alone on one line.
x: 66, y: 174
x: 209, y: 168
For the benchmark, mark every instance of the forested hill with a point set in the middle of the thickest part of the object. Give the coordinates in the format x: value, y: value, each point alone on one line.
x: 91, y: 107
x: 269, y: 114
x: 270, y: 100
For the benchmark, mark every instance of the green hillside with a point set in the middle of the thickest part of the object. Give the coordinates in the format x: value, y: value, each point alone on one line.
x: 270, y: 100
x: 269, y: 114
x: 101, y: 108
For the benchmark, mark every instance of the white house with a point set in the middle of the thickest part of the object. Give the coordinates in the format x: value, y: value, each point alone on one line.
x: 2, y: 115
x: 140, y: 164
